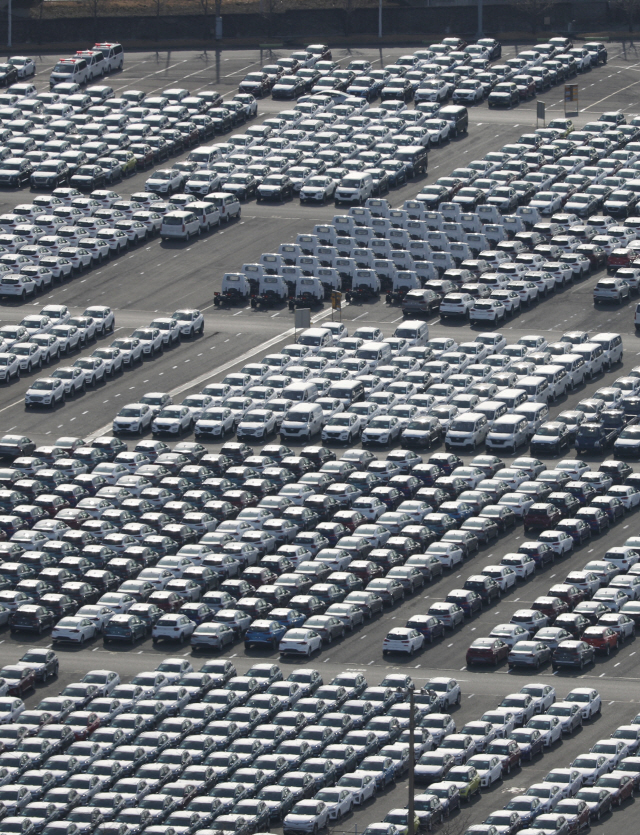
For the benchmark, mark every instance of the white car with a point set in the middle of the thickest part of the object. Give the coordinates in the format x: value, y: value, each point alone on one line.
x: 306, y: 816
x: 10, y: 708
x: 509, y: 633
x: 257, y: 423
x: 559, y: 541
x: 17, y: 284
x: 151, y: 339
x: 165, y: 181
x: 522, y: 564
x: 106, y: 680
x: 489, y: 768
x: 72, y: 378
x: 550, y: 728
x: 339, y: 801
x: 26, y: 66
x: 588, y: 699
x: 131, y: 349
x: 219, y: 420
x: 362, y: 786
x: 75, y: 630
x: 120, y: 602
x: 68, y: 336
x: 94, y: 368
x: 173, y: 627
x: 190, y: 320
x: 401, y: 639
x: 169, y: 328
x: 344, y: 426
x: 134, y: 417
x: 173, y: 420
x: 300, y: 641
x: 543, y: 695
x: 98, y: 615
x: 487, y: 310
x: 9, y: 367
x: 113, y: 359
x: 47, y: 391
x: 29, y: 356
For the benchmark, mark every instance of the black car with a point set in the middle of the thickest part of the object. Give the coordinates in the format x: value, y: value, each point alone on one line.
x: 572, y: 654
x: 8, y: 75
x: 243, y: 185
x: 275, y: 187
x: 288, y: 87
x: 15, y: 172
x: 222, y: 118
x: 52, y: 173
x: 31, y: 618
x: 88, y: 178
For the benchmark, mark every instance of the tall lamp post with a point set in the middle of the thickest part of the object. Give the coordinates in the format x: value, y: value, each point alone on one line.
x: 412, y: 760
x: 9, y: 24
x: 380, y: 35
x: 480, y: 25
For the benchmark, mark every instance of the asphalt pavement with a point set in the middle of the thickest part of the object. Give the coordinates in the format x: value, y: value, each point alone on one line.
x: 156, y: 278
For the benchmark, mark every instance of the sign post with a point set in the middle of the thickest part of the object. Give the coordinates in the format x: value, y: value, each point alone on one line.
x: 541, y: 113
x: 571, y: 100
x: 336, y: 303
x: 302, y: 319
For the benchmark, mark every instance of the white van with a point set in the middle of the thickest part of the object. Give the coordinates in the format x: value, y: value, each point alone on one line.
x: 556, y: 377
x: 207, y: 214
x: 69, y: 71
x: 414, y: 331
x: 375, y: 353
x: 180, y: 225
x: 574, y: 365
x: 611, y: 344
x: 467, y: 430
x: 302, y: 421
x: 492, y: 410
x: 355, y: 187
x: 113, y: 55
x: 593, y: 356
x: 511, y: 397
x: 205, y: 156
x: 316, y: 339
x: 508, y: 433
x: 535, y: 413
x: 300, y: 392
x: 536, y: 388
x: 227, y: 204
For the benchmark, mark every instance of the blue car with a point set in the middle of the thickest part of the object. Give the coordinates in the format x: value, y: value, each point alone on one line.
x: 264, y: 633
x: 289, y: 618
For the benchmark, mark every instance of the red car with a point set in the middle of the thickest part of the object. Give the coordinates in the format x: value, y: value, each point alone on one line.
x: 508, y: 751
x: 550, y: 606
x: 576, y: 812
x: 620, y: 257
x: 487, y: 651
x: 619, y: 784
x: 602, y: 638
x: 571, y: 594
x: 168, y: 601
x: 83, y: 722
x: 526, y: 86
x: 596, y: 254
x: 19, y: 679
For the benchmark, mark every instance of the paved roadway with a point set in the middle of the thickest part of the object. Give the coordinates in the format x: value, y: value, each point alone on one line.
x: 156, y: 278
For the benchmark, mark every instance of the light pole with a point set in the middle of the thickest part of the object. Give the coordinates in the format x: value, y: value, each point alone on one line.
x: 412, y: 760
x: 480, y: 32
x: 379, y: 18
x: 9, y: 24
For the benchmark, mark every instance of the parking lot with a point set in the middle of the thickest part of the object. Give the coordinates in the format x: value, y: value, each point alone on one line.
x: 158, y: 277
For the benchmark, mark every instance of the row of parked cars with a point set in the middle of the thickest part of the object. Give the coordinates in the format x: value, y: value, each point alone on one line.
x: 568, y: 799
x: 63, y: 333
x: 180, y: 748
x: 91, y: 135
x: 60, y: 235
